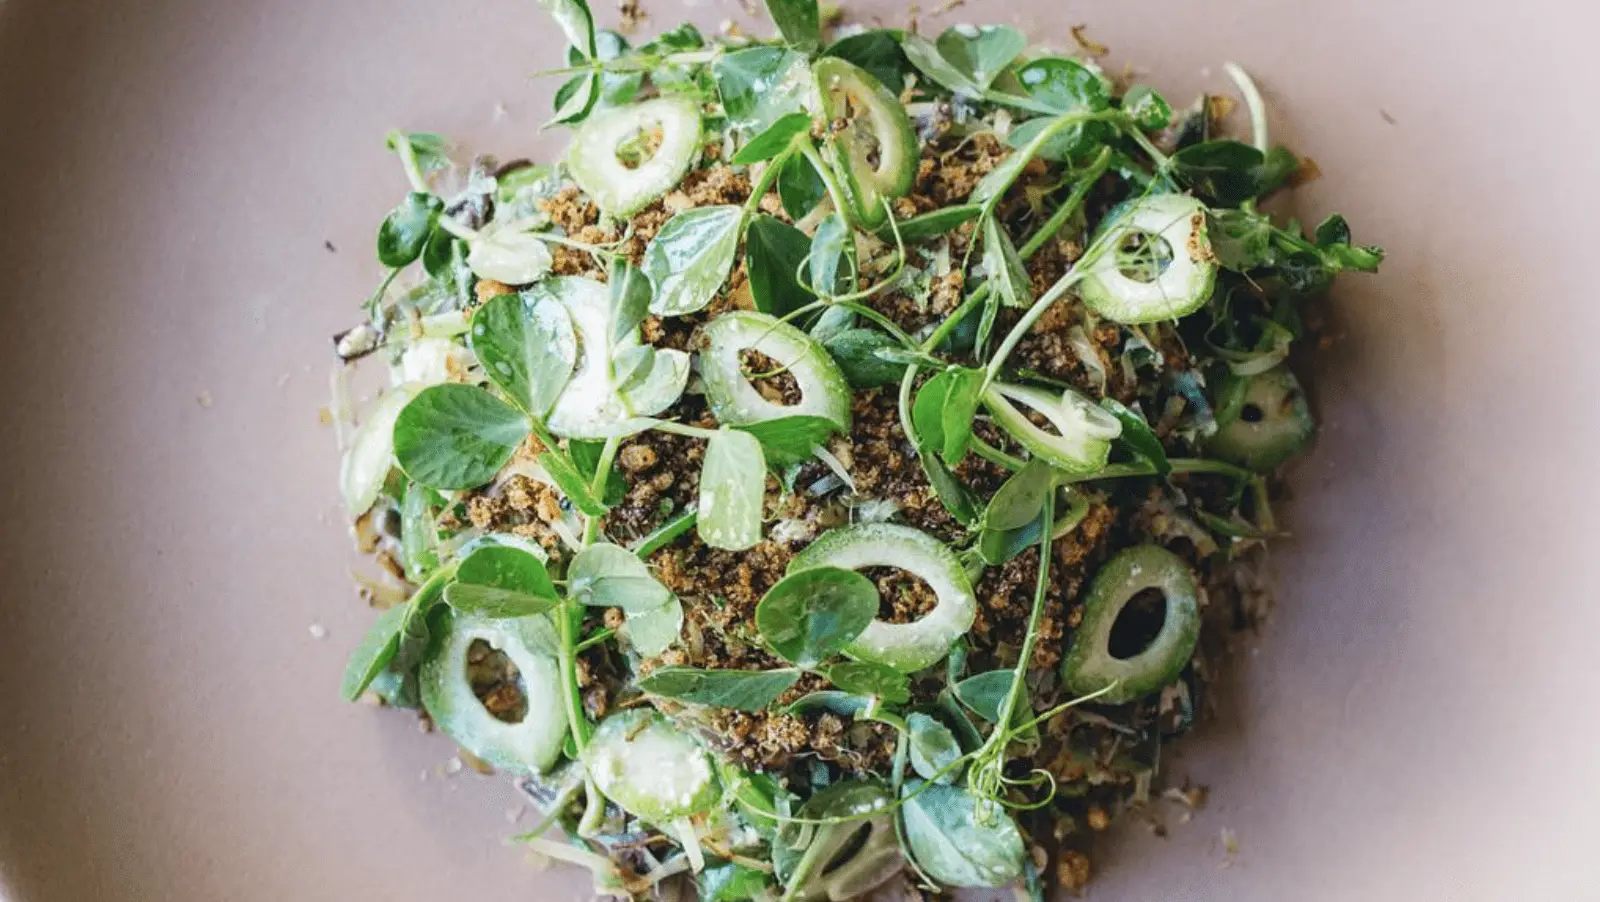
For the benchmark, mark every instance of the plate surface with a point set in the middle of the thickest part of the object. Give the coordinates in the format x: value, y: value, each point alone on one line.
x: 190, y: 189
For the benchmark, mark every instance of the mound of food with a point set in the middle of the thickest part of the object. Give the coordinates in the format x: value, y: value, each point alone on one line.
x: 845, y: 465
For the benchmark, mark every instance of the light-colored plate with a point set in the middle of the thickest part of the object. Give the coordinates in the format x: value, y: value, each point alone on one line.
x: 190, y: 189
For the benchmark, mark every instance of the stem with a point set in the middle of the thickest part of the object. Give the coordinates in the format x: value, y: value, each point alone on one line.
x: 408, y: 159
x: 1015, y: 336
x: 949, y: 324
x: 994, y: 455
x: 376, y: 300
x: 769, y: 176
x: 675, y: 428
x: 449, y: 224
x: 809, y: 151
x: 1253, y: 101
x: 569, y: 677
x: 1178, y: 465
x: 907, y: 382
x: 602, y: 474
x: 1059, y: 218
x: 596, y: 639
x: 666, y: 533
x: 802, y: 870
x: 1041, y: 589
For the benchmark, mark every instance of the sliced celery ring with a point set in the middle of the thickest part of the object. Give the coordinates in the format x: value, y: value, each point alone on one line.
x: 906, y: 647
x: 1090, y: 665
x: 620, y: 190
x: 871, y: 122
x: 1081, y: 443
x: 847, y: 860
x: 652, y: 769
x: 1181, y: 288
x: 1271, y: 424
x: 530, y: 745
x: 824, y: 392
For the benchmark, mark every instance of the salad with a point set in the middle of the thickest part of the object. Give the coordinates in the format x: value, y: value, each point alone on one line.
x: 845, y: 465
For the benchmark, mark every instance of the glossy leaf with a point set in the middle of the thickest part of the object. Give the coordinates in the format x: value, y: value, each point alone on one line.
x: 1137, y: 435
x: 456, y: 436
x: 812, y: 615
x: 985, y: 693
x: 609, y: 576
x: 773, y: 254
x: 1064, y: 85
x: 738, y: 690
x: 526, y: 350
x: 843, y: 704
x: 419, y: 536
x: 376, y: 650
x: 800, y: 188
x: 575, y: 98
x: 832, y: 257
x: 959, y: 840
x: 857, y: 351
x: 1008, y: 278
x: 576, y: 22
x: 690, y: 258
x: 980, y: 53
x: 760, y: 85
x: 933, y: 747
x: 867, y: 679
x: 952, y: 492
x: 502, y: 581
x: 791, y: 439
x: 1148, y: 108
x: 630, y: 298
x: 798, y: 21
x: 572, y: 483
x: 930, y: 61
x: 877, y: 51
x: 934, y: 223
x: 730, y: 882
x: 1226, y: 173
x: 775, y: 140
x: 733, y: 483
x: 652, y: 632
x: 405, y: 230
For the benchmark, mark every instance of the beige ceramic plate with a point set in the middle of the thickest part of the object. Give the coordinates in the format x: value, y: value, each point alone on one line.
x: 189, y: 190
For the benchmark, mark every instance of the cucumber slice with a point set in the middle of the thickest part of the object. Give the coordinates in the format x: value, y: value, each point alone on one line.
x: 1180, y: 289
x: 842, y: 861
x: 1270, y: 423
x: 593, y: 405
x: 906, y: 647
x: 1081, y: 443
x: 619, y: 189
x: 735, y: 402
x: 530, y: 745
x: 655, y: 771
x: 1090, y: 664
x: 868, y: 120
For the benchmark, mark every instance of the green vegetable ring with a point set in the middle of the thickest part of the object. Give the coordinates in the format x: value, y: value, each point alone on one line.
x: 672, y: 123
x: 847, y: 860
x: 1090, y: 665
x: 1181, y: 288
x: 870, y: 123
x: 906, y: 647
x: 652, y: 769
x: 735, y: 402
x: 1081, y: 440
x: 532, y: 744
x: 1270, y: 423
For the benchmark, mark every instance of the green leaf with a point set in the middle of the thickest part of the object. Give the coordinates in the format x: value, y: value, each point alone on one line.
x: 739, y: 690
x: 616, y: 88
x: 1226, y: 173
x: 419, y: 536
x: 1065, y: 85
x: 1007, y: 276
x: 1021, y: 499
x: 502, y: 581
x: 1149, y: 109
x: 812, y: 615
x: 775, y: 140
x: 877, y: 51
x: 857, y: 351
x: 952, y: 492
x: 928, y: 59
x: 800, y: 187
x: 1138, y: 435
x: 374, y: 653
x: 934, y: 223
x: 654, y: 631
x: 609, y: 576
x: 456, y: 436
x: 575, y: 21
x: 933, y: 747
x: 834, y: 702
x: 690, y: 258
x: 760, y: 85
x: 405, y: 230
x: 791, y: 439
x: 927, y: 412
x: 572, y: 483
x: 432, y: 150
x: 733, y: 484
x: 833, y: 257
x: 985, y: 693
x: 438, y: 255
x: 575, y: 98
x: 997, y: 546
x: 980, y: 53
x: 958, y: 840
x: 773, y: 253
x: 630, y: 298
x: 528, y: 350
x: 729, y: 882
x: 944, y: 411
x: 864, y: 678
x: 798, y: 21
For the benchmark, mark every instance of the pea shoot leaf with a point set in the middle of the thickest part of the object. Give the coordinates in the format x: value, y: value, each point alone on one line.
x: 944, y: 411
x: 832, y: 701
x: 730, y: 882
x: 760, y: 85
x: 980, y: 53
x: 833, y: 257
x: 800, y: 188
x: 934, y: 223
x: 575, y: 98
x: 1226, y: 173
x: 933, y: 747
x: 609, y: 576
x: 791, y: 439
x: 773, y: 254
x: 959, y: 840
x: 775, y: 140
x: 653, y: 631
x: 630, y: 298
x: 405, y: 230
x: 857, y: 351
x: 739, y: 690
x: 419, y: 536
x: 1021, y: 499
x: 691, y: 257
x: 373, y: 655
x: 798, y: 21
x: 572, y: 483
x: 528, y: 350
x: 576, y: 23
x: 1149, y: 109
x: 928, y: 59
x: 502, y: 581
x: 863, y: 678
x: 1138, y: 436
x: 952, y: 492
x: 456, y: 436
x: 732, y: 488
x: 1008, y: 278
x: 1063, y: 86
x: 877, y: 51
x: 812, y: 615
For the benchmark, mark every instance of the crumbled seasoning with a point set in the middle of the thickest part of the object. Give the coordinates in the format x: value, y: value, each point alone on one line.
x: 770, y: 377
x: 903, y: 597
